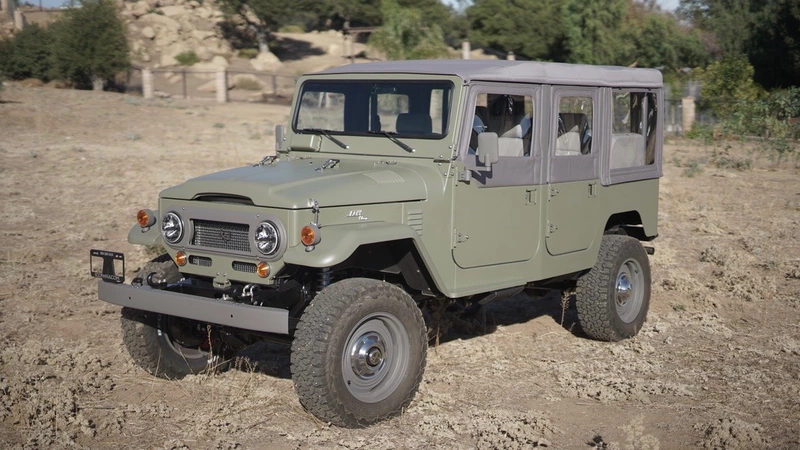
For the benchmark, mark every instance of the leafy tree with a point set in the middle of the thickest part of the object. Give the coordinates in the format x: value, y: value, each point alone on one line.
x: 727, y: 84
x: 401, y: 37
x: 262, y: 16
x: 775, y: 44
x: 531, y: 28
x: 591, y: 31
x: 660, y: 41
x: 28, y: 54
x: 90, y: 44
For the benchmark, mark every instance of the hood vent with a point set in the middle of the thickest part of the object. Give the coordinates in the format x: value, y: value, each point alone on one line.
x: 222, y: 198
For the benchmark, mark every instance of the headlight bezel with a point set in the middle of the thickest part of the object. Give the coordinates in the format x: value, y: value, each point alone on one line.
x: 170, y: 218
x: 275, y: 230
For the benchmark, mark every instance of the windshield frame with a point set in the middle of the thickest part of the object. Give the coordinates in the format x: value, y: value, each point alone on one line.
x: 445, y: 83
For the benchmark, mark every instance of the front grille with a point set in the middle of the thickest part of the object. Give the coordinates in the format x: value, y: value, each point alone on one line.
x: 204, y: 261
x: 240, y: 266
x: 226, y: 236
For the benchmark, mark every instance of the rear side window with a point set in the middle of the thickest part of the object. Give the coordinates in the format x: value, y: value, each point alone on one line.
x: 633, y: 138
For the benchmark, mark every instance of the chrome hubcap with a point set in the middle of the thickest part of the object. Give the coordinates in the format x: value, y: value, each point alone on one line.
x: 624, y: 289
x: 366, y: 355
x: 629, y: 290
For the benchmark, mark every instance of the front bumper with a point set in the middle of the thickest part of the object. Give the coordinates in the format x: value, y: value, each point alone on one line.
x: 215, y: 311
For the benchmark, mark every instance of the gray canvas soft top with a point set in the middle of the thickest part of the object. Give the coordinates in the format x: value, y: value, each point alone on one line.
x: 514, y: 71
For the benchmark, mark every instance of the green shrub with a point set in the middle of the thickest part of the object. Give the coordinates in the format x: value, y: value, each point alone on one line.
x: 292, y: 29
x: 693, y: 169
x: 28, y: 54
x: 187, y: 58
x: 249, y: 53
x: 90, y: 44
x: 701, y: 131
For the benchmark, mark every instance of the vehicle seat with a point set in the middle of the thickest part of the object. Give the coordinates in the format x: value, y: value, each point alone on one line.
x: 571, y: 129
x: 627, y: 150
x: 410, y: 123
x: 510, y: 143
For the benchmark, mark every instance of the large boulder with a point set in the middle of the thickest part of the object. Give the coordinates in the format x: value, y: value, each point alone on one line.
x: 165, y: 22
x: 173, y: 11
x: 266, y: 62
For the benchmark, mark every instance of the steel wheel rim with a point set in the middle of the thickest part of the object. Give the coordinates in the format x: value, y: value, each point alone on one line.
x: 629, y: 290
x: 375, y: 357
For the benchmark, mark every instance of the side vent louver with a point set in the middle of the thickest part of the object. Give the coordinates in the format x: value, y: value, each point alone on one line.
x: 414, y: 220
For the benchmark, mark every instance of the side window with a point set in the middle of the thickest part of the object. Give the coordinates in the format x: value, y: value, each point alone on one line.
x: 574, y: 136
x: 633, y: 138
x: 510, y: 116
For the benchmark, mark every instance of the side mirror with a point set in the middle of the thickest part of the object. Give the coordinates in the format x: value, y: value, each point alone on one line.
x: 488, y: 152
x: 280, y: 136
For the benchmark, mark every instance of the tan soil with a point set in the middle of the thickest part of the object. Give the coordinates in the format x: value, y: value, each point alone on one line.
x: 717, y: 365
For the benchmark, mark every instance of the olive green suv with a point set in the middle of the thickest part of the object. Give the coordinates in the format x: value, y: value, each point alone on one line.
x: 397, y: 186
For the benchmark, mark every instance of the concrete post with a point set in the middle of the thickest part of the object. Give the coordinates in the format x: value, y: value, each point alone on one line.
x: 466, y: 49
x: 19, y: 20
x: 222, y: 85
x: 688, y: 114
x: 147, y: 83
x: 511, y: 56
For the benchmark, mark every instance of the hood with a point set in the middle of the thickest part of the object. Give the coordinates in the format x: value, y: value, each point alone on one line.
x: 289, y: 184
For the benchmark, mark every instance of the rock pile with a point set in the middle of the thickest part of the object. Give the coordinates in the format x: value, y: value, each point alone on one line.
x: 160, y: 30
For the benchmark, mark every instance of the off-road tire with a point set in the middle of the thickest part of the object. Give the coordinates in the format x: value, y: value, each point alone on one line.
x: 147, y: 335
x: 332, y: 382
x: 603, y: 311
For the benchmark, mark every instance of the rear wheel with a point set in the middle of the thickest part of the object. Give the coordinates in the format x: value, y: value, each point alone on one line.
x: 359, y: 352
x: 613, y: 297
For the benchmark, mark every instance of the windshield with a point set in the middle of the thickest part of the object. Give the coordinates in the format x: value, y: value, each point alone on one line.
x: 413, y: 109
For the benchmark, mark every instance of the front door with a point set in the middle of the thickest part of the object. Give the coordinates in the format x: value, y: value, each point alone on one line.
x: 496, y: 213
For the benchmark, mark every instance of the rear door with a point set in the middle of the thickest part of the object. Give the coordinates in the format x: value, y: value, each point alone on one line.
x: 572, y: 205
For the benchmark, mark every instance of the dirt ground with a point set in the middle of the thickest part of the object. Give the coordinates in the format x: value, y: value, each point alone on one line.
x: 717, y: 365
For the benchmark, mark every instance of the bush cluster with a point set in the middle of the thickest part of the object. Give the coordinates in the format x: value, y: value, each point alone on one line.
x: 87, y: 47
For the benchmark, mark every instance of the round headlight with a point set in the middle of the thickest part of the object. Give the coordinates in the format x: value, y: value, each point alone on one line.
x: 172, y: 227
x: 267, y: 239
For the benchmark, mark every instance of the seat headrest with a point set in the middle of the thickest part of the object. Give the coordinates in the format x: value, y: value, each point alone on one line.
x: 410, y: 123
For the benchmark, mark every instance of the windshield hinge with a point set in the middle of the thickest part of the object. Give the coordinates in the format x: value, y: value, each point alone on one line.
x: 329, y: 164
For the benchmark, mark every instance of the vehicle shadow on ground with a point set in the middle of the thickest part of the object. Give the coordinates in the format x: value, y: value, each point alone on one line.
x: 518, y: 309
x: 273, y: 358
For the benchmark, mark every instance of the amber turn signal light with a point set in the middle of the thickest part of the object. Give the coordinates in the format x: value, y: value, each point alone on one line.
x: 310, y: 235
x: 262, y: 269
x: 181, y: 258
x: 146, y: 218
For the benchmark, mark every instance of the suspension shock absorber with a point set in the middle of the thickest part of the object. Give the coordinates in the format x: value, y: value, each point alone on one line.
x: 324, y: 278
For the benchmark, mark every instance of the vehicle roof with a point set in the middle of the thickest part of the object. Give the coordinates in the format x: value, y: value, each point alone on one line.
x: 512, y: 71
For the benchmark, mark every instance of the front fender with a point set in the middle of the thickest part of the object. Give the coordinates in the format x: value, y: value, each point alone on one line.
x: 338, y: 242
x: 146, y: 236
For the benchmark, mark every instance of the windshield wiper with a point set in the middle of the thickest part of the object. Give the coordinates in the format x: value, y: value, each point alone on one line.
x: 390, y: 135
x: 327, y: 134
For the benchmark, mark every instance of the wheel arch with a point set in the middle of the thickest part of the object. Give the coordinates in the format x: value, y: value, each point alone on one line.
x: 380, y: 246
x: 629, y: 223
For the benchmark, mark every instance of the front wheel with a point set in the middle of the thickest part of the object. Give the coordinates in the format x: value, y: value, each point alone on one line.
x: 359, y: 352
x: 613, y: 297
